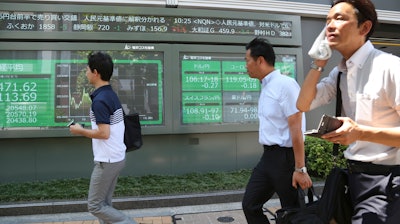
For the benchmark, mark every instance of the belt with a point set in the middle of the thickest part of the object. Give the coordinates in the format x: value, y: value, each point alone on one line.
x: 271, y: 147
x: 370, y: 168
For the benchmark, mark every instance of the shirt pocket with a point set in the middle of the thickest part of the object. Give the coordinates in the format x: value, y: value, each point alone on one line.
x: 364, y: 106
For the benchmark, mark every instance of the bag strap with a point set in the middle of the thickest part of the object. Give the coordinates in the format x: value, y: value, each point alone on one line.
x: 338, y: 96
x: 310, y: 195
x: 335, y: 150
x: 301, y: 197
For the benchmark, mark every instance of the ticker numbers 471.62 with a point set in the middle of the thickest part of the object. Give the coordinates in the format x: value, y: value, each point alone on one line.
x: 18, y: 92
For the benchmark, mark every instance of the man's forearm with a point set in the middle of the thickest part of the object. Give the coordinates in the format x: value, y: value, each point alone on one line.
x: 308, y: 90
x: 384, y: 136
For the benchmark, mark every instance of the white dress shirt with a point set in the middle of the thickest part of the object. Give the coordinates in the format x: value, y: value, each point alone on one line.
x: 370, y: 86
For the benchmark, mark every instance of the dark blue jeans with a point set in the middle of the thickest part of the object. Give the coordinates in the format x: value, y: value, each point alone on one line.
x: 272, y: 174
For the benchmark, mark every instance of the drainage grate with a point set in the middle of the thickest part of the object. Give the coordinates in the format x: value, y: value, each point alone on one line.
x: 225, y: 219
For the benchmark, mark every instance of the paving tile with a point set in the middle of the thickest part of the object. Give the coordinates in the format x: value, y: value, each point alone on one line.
x: 154, y: 220
x: 230, y: 217
x: 219, y: 213
x: 217, y: 217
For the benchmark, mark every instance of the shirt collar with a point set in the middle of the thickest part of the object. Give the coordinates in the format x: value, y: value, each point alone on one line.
x: 359, y: 57
x: 96, y: 91
x: 269, y: 77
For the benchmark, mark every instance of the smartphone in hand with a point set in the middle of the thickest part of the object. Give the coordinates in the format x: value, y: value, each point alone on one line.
x: 326, y: 125
x: 71, y: 123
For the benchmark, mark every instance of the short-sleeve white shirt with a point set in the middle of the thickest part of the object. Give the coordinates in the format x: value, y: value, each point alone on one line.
x: 277, y: 102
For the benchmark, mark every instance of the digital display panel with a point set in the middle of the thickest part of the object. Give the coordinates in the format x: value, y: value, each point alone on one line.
x: 78, y: 22
x: 48, y: 88
x: 217, y: 89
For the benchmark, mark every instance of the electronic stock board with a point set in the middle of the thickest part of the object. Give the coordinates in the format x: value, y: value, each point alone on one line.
x: 174, y: 86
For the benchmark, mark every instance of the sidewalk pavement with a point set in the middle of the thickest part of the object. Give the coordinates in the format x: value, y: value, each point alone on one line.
x: 208, y: 208
x: 195, y: 214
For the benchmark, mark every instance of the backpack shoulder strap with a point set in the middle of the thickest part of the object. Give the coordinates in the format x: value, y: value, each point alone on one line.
x: 335, y: 151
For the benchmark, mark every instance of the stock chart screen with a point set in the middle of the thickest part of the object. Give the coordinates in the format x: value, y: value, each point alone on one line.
x: 217, y: 89
x: 49, y: 88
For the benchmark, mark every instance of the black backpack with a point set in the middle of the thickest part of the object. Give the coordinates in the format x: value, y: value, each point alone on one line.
x: 333, y: 205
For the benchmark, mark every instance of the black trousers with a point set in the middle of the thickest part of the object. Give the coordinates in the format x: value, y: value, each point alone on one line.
x: 272, y: 174
x: 375, y: 193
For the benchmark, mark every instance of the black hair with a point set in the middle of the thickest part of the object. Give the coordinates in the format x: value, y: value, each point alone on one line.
x: 365, y: 10
x: 261, y: 47
x: 103, y: 63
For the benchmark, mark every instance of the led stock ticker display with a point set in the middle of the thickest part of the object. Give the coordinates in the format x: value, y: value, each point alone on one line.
x: 24, y: 99
x: 217, y: 89
x: 77, y: 22
x: 40, y: 89
x: 46, y: 86
x: 50, y: 91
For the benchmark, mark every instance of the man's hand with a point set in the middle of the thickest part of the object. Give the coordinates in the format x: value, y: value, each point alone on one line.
x: 320, y: 63
x: 302, y: 179
x: 76, y: 129
x: 348, y: 133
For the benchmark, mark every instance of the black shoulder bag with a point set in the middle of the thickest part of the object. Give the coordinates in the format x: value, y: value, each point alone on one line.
x: 133, y: 132
x: 306, y: 213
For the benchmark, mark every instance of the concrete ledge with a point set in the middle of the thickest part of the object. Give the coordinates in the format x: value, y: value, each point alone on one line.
x: 121, y: 203
x: 129, y: 203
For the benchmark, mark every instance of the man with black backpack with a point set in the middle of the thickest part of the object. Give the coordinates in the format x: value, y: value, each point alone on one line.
x: 370, y: 95
x: 107, y: 136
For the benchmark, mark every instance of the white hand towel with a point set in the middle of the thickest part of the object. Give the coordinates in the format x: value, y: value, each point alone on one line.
x: 320, y: 49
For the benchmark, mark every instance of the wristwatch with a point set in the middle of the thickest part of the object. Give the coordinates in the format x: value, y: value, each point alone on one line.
x: 316, y: 67
x: 301, y: 170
